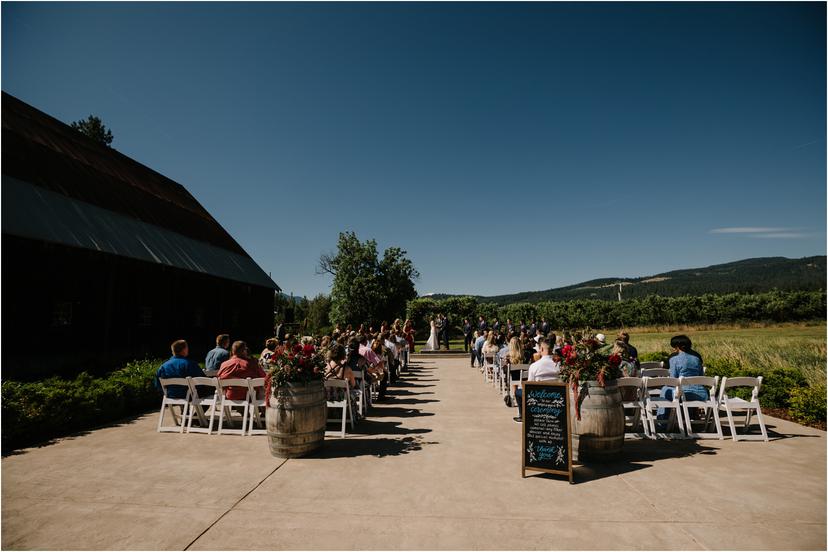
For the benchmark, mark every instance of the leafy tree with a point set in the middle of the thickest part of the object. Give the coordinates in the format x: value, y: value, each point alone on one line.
x: 94, y: 128
x: 365, y: 287
x: 319, y: 311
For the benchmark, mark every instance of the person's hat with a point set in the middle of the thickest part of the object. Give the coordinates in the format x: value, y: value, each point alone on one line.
x: 601, y: 338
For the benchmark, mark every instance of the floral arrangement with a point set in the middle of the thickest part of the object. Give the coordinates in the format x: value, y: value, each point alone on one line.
x: 585, y: 362
x: 296, y: 364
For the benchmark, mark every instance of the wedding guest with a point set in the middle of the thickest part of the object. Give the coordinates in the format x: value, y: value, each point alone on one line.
x: 544, y: 326
x: 496, y: 325
x: 240, y: 365
x: 490, y: 346
x: 478, y: 346
x: 178, y: 366
x: 375, y: 362
x: 408, y: 332
x: 633, y: 352
x: 513, y: 358
x: 218, y: 355
x: 267, y: 352
x: 467, y: 334
x: 547, y: 368
x: 336, y: 368
x: 482, y: 325
x: 510, y: 328
x: 683, y: 364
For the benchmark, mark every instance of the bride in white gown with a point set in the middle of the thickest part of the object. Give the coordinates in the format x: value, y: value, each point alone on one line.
x: 432, y: 344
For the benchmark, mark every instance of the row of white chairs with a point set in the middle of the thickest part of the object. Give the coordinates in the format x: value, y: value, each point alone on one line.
x: 206, y: 406
x: 647, y: 401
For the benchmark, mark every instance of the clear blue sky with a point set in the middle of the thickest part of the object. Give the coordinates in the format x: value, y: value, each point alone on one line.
x: 506, y: 147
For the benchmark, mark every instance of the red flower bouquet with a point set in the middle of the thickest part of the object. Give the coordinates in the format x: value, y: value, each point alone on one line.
x: 584, y: 362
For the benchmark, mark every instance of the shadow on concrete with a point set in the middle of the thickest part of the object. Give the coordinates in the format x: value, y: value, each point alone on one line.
x: 392, y: 391
x: 393, y: 400
x: 398, y: 412
x: 369, y: 426
x: 404, y: 383
x: 637, y: 455
x: 349, y: 448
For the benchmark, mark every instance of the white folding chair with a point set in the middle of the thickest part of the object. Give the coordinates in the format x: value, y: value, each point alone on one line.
x: 256, y: 424
x: 171, y: 402
x: 654, y: 372
x: 735, y: 403
x: 488, y: 369
x: 522, y: 372
x: 362, y: 402
x: 653, y: 402
x: 198, y: 403
x: 635, y: 387
x: 709, y: 406
x: 339, y: 396
x: 226, y: 405
x: 650, y: 365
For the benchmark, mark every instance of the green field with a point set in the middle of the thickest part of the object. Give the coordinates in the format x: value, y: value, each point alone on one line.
x: 792, y: 346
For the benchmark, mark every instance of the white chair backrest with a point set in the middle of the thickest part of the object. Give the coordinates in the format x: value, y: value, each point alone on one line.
x: 630, y: 382
x: 729, y: 383
x: 707, y: 381
x: 650, y: 383
x: 225, y: 384
x: 336, y: 383
x: 254, y: 384
x: 655, y: 373
x: 650, y: 365
x: 167, y: 382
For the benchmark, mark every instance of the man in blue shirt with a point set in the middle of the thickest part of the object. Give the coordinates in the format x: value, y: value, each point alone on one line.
x: 478, y: 347
x: 218, y: 355
x: 179, y: 366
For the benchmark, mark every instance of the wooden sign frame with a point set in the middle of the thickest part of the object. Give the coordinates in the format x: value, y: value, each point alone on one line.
x: 565, y: 387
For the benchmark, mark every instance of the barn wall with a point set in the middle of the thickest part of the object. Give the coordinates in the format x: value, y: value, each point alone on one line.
x: 66, y: 309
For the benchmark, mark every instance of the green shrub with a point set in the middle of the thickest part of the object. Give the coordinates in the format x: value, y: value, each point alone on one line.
x: 659, y: 356
x: 41, y: 410
x: 777, y: 386
x: 808, y: 404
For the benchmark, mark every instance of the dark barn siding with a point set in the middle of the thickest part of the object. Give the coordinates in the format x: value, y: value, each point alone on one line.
x: 109, y: 296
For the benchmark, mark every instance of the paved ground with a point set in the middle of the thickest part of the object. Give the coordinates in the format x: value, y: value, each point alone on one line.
x: 436, y: 468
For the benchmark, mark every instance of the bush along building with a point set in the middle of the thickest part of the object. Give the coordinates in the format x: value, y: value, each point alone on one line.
x: 105, y: 260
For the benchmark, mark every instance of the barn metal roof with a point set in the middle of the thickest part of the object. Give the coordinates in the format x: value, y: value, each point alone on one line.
x: 62, y: 187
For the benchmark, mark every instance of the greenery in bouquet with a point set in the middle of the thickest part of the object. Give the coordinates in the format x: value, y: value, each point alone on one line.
x: 588, y: 360
x: 297, y: 364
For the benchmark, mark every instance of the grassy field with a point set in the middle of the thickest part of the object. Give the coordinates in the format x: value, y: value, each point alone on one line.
x: 789, y: 346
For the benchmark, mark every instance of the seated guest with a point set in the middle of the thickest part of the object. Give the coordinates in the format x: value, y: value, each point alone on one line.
x: 336, y: 367
x: 632, y: 351
x: 490, y: 346
x: 218, y: 355
x: 178, y: 366
x: 514, y: 358
x: 547, y: 368
x: 683, y: 364
x: 267, y: 353
x: 240, y: 365
x: 478, y: 346
x: 503, y: 352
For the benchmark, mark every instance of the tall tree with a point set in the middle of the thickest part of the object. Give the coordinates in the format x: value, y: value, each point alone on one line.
x: 365, y: 287
x: 94, y: 128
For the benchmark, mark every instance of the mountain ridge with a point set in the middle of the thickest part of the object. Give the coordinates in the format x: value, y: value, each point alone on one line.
x: 752, y: 275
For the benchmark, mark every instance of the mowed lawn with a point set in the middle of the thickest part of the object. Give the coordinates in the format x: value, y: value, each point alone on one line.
x: 791, y: 346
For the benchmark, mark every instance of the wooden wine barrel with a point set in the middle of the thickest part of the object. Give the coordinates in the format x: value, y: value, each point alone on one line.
x: 599, y: 434
x: 296, y: 417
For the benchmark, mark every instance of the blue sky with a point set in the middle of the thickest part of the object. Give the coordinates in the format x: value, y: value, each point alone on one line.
x: 506, y: 147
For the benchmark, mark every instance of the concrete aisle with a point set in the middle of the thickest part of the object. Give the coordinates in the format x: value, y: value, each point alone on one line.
x: 437, y: 467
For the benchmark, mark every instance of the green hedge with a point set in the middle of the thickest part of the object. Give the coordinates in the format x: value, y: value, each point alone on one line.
x: 38, y: 411
x: 808, y: 404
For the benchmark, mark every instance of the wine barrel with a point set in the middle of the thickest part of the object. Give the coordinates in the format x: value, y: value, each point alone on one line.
x: 599, y: 434
x: 296, y: 417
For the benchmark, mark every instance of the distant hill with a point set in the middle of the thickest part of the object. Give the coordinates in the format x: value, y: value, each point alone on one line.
x: 747, y: 276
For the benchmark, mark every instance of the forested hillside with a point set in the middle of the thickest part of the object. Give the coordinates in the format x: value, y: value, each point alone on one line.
x: 747, y: 276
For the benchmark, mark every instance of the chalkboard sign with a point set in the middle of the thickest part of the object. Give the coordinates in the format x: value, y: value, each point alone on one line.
x: 547, y: 434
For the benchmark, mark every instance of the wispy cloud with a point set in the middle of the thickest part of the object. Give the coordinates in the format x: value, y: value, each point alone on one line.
x: 748, y: 230
x: 805, y: 145
x: 762, y: 232
x: 780, y: 235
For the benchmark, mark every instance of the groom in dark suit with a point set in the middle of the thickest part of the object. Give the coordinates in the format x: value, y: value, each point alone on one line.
x: 446, y: 331
x: 439, y: 325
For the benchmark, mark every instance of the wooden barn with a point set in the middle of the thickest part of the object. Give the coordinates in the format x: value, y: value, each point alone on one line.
x: 105, y: 260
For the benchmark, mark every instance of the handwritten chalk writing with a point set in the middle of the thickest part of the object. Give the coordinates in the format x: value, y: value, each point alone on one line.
x: 546, y: 430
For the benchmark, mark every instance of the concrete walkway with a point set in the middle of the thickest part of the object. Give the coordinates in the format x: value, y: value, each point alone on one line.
x: 438, y: 467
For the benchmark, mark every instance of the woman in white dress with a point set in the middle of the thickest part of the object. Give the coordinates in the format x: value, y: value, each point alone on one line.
x: 432, y: 344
